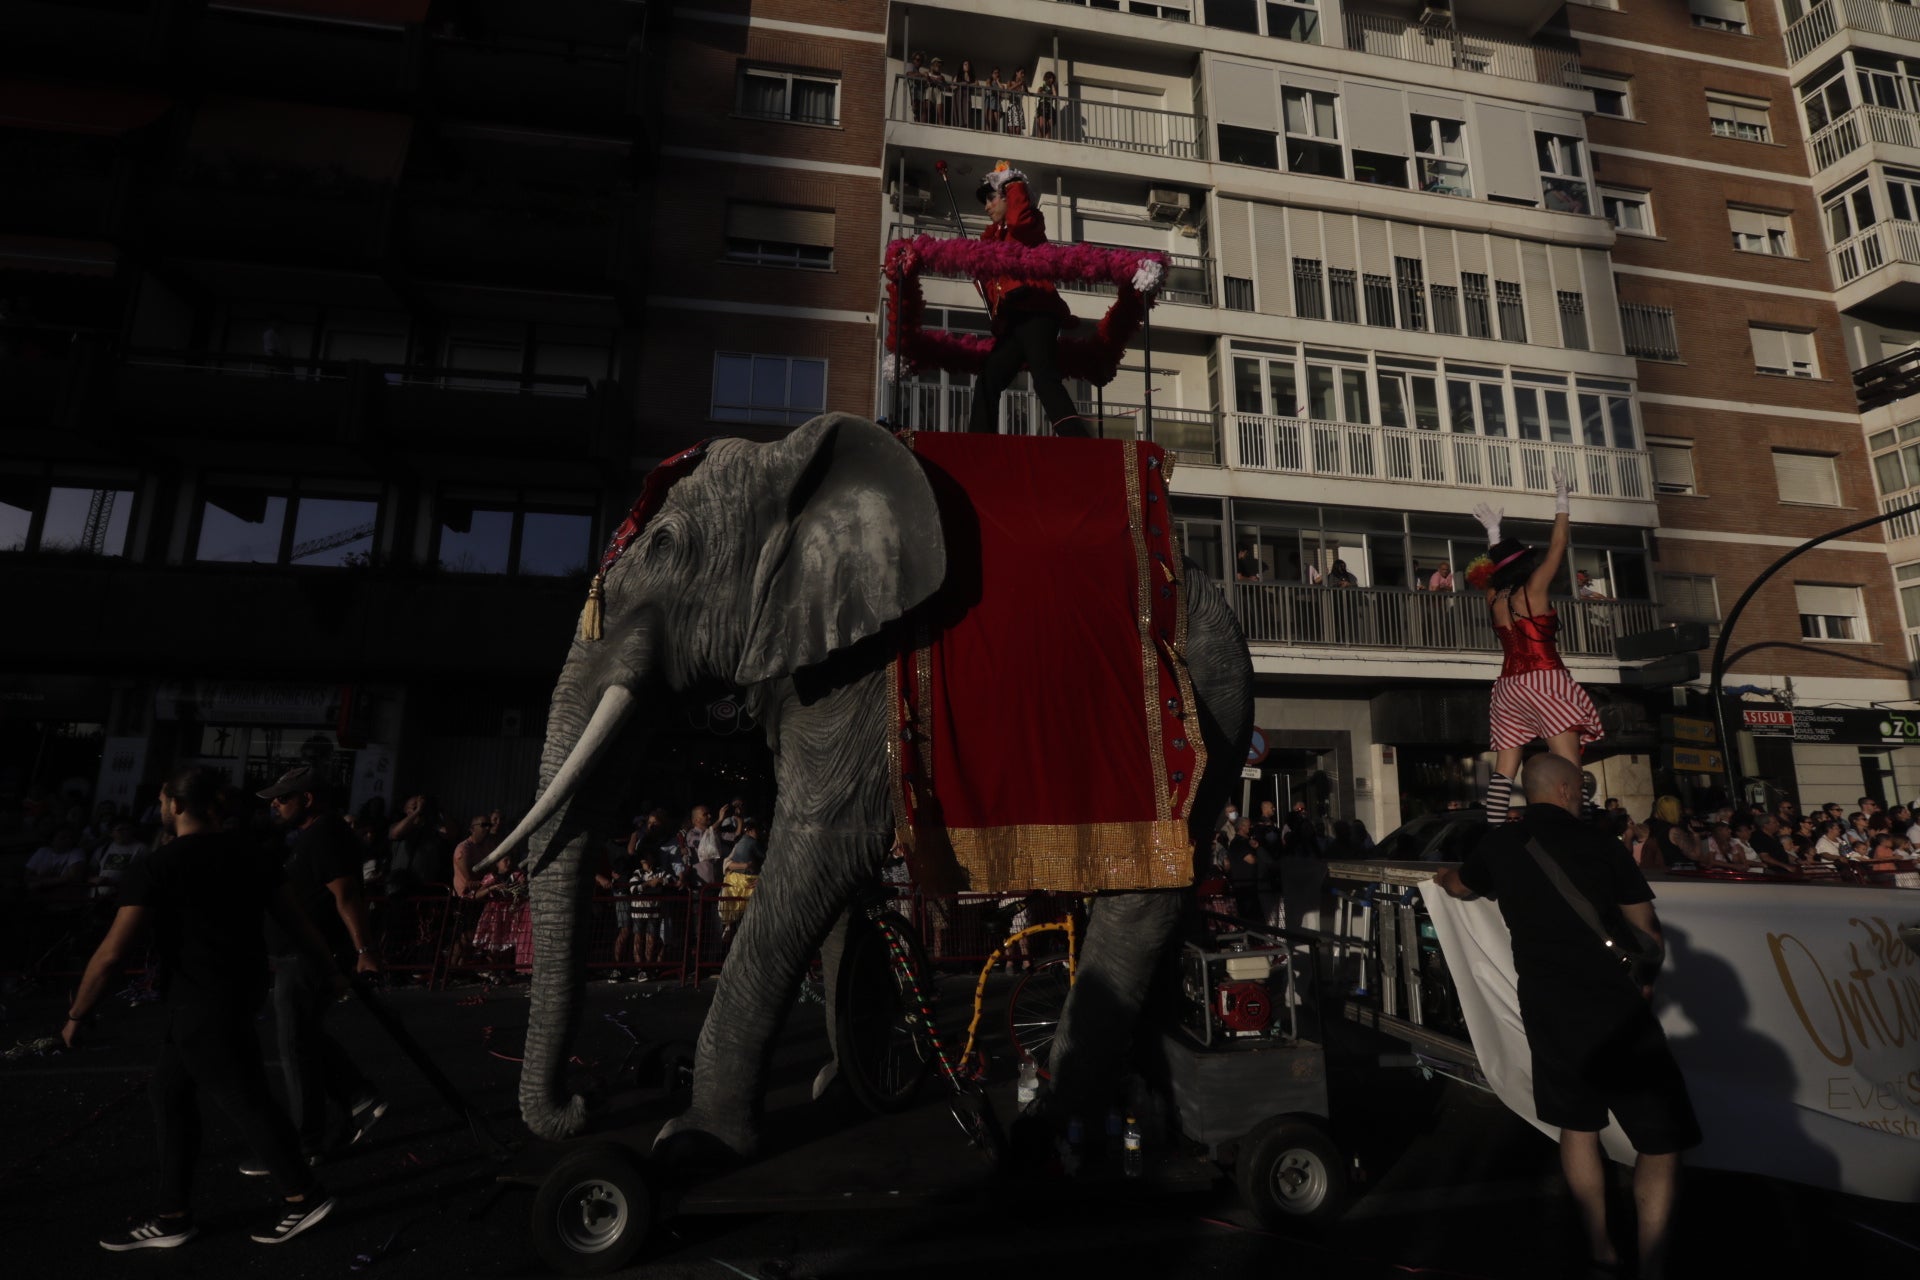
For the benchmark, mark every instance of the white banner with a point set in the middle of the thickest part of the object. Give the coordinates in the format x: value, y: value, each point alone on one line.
x: 372, y: 777
x: 1793, y: 1010
x: 122, y: 761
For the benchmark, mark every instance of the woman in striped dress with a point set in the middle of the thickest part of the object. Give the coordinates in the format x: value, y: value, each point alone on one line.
x: 1535, y: 696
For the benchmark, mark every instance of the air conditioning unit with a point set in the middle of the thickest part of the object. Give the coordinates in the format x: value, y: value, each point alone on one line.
x: 1164, y: 205
x: 909, y: 199
x: 1436, y: 14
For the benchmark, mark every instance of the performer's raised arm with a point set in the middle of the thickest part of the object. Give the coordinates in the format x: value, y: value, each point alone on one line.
x: 1540, y: 585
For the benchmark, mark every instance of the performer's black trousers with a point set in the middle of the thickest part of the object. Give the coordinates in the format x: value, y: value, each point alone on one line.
x: 1030, y: 338
x: 211, y: 1050
x: 317, y: 1068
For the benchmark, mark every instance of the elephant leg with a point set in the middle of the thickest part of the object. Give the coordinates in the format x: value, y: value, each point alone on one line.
x: 832, y: 825
x: 1126, y: 934
x: 833, y: 948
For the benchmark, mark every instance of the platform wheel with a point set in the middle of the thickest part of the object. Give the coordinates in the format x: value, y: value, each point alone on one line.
x: 884, y: 1053
x: 1290, y: 1172
x: 1034, y: 1009
x: 592, y: 1213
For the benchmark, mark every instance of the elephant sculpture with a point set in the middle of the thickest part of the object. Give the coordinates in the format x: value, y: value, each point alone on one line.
x: 778, y: 568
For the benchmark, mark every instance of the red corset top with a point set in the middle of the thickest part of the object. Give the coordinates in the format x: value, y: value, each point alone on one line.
x: 1527, y: 644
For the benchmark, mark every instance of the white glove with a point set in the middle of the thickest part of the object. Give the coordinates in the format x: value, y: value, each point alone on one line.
x: 1489, y: 518
x: 999, y: 177
x: 1561, y: 503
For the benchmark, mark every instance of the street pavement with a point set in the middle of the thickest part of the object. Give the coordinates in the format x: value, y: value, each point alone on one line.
x: 1453, y: 1184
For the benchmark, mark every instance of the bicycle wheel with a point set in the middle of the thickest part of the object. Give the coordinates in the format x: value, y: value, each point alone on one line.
x: 1033, y: 1011
x: 884, y: 1055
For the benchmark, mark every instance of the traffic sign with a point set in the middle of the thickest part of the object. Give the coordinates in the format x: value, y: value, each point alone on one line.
x: 1251, y: 773
x: 1257, y: 747
x: 1692, y: 760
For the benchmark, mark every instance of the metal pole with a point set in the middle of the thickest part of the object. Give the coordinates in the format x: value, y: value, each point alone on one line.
x: 1146, y: 331
x: 1733, y: 616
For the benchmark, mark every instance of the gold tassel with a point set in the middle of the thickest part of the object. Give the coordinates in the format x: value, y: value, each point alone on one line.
x: 590, y: 615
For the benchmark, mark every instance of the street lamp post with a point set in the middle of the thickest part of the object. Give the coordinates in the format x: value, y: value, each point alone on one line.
x: 1733, y: 616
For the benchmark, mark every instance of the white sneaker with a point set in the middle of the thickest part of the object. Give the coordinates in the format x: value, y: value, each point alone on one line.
x: 295, y: 1219
x: 154, y: 1233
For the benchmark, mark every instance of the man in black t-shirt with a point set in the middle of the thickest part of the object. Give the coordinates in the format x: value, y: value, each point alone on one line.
x: 198, y: 897
x: 322, y: 867
x: 1596, y: 1044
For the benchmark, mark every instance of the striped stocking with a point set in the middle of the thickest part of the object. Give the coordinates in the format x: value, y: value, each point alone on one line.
x: 1499, y: 798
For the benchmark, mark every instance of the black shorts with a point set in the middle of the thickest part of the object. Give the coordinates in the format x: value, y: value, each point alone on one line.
x: 1623, y: 1065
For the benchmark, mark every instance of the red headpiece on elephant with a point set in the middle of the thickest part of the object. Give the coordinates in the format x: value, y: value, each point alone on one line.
x: 653, y: 492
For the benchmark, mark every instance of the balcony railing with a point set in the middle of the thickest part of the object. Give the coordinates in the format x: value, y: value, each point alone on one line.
x: 1192, y: 435
x: 1884, y: 381
x: 1405, y: 455
x: 1907, y: 526
x: 1395, y: 618
x: 1876, y: 247
x: 1060, y: 119
x: 1649, y: 332
x: 1189, y: 277
x: 1859, y: 127
x: 1876, y: 17
x: 1395, y: 37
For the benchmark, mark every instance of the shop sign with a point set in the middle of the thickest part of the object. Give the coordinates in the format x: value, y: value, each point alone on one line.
x: 1852, y: 726
x: 236, y: 702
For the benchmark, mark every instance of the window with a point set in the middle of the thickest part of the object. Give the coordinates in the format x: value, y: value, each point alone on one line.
x: 1256, y: 147
x: 1313, y: 133
x: 1907, y: 582
x: 268, y: 523
x: 1379, y: 297
x: 1849, y: 210
x: 1441, y: 150
x: 1672, y: 465
x: 1309, y: 297
x: 1340, y: 286
x: 1761, y: 231
x: 1542, y: 412
x: 1896, y: 458
x: 1293, y: 21
x: 1690, y: 597
x: 1513, y: 318
x: 1573, y: 320
x: 1446, y: 308
x: 1829, y: 612
x: 799, y: 97
x: 1410, y: 282
x: 1379, y: 170
x: 1239, y: 293
x: 1408, y: 394
x: 1563, y: 172
x: 512, y: 535
x: 1606, y: 412
x: 1826, y: 103
x: 1786, y: 352
x: 1903, y: 194
x: 1612, y: 95
x: 1806, y: 479
x: 772, y: 235
x: 781, y: 390
x: 67, y: 517
x: 1742, y: 118
x: 1630, y: 211
x: 1473, y: 288
x: 1720, y: 15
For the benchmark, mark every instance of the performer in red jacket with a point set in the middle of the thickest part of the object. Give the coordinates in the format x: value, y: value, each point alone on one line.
x: 1027, y: 314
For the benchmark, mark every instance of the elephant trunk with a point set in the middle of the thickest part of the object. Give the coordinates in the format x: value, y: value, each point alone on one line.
x: 586, y: 766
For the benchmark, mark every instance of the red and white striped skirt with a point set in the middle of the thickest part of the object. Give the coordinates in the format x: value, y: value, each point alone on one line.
x: 1539, y: 704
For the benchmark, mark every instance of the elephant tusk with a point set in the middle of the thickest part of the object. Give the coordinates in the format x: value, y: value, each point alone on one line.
x: 616, y: 706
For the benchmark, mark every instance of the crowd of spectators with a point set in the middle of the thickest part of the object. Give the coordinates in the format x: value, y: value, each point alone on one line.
x: 961, y: 97
x: 1828, y: 841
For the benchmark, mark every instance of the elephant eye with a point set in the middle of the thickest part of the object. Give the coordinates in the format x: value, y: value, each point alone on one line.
x: 661, y: 543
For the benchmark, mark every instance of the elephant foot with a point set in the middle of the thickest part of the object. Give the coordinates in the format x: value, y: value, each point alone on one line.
x: 696, y: 1140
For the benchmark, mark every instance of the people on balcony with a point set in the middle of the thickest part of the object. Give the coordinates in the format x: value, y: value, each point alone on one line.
x: 1534, y: 697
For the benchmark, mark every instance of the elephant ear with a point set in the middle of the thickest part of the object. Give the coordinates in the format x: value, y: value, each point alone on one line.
x: 854, y: 542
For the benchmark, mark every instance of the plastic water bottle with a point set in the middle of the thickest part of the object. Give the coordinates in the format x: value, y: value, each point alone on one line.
x: 1132, y: 1162
x: 1029, y: 1084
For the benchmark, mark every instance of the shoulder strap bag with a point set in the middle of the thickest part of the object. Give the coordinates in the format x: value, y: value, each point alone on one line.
x: 1640, y: 958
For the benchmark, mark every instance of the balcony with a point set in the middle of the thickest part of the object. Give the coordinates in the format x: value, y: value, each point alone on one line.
x: 1407, y: 455
x: 1879, y: 267
x: 1191, y: 435
x: 1396, y: 37
x: 1429, y: 621
x: 1189, y: 278
x: 1649, y: 332
x: 1102, y: 125
x: 1870, y: 17
x: 1864, y: 126
x: 1906, y: 526
x: 1888, y: 380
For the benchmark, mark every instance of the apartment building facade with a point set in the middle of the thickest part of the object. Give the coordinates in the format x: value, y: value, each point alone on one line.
x: 1761, y: 227
x: 318, y: 379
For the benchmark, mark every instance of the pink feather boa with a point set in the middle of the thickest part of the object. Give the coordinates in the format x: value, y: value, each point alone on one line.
x: 1095, y: 358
